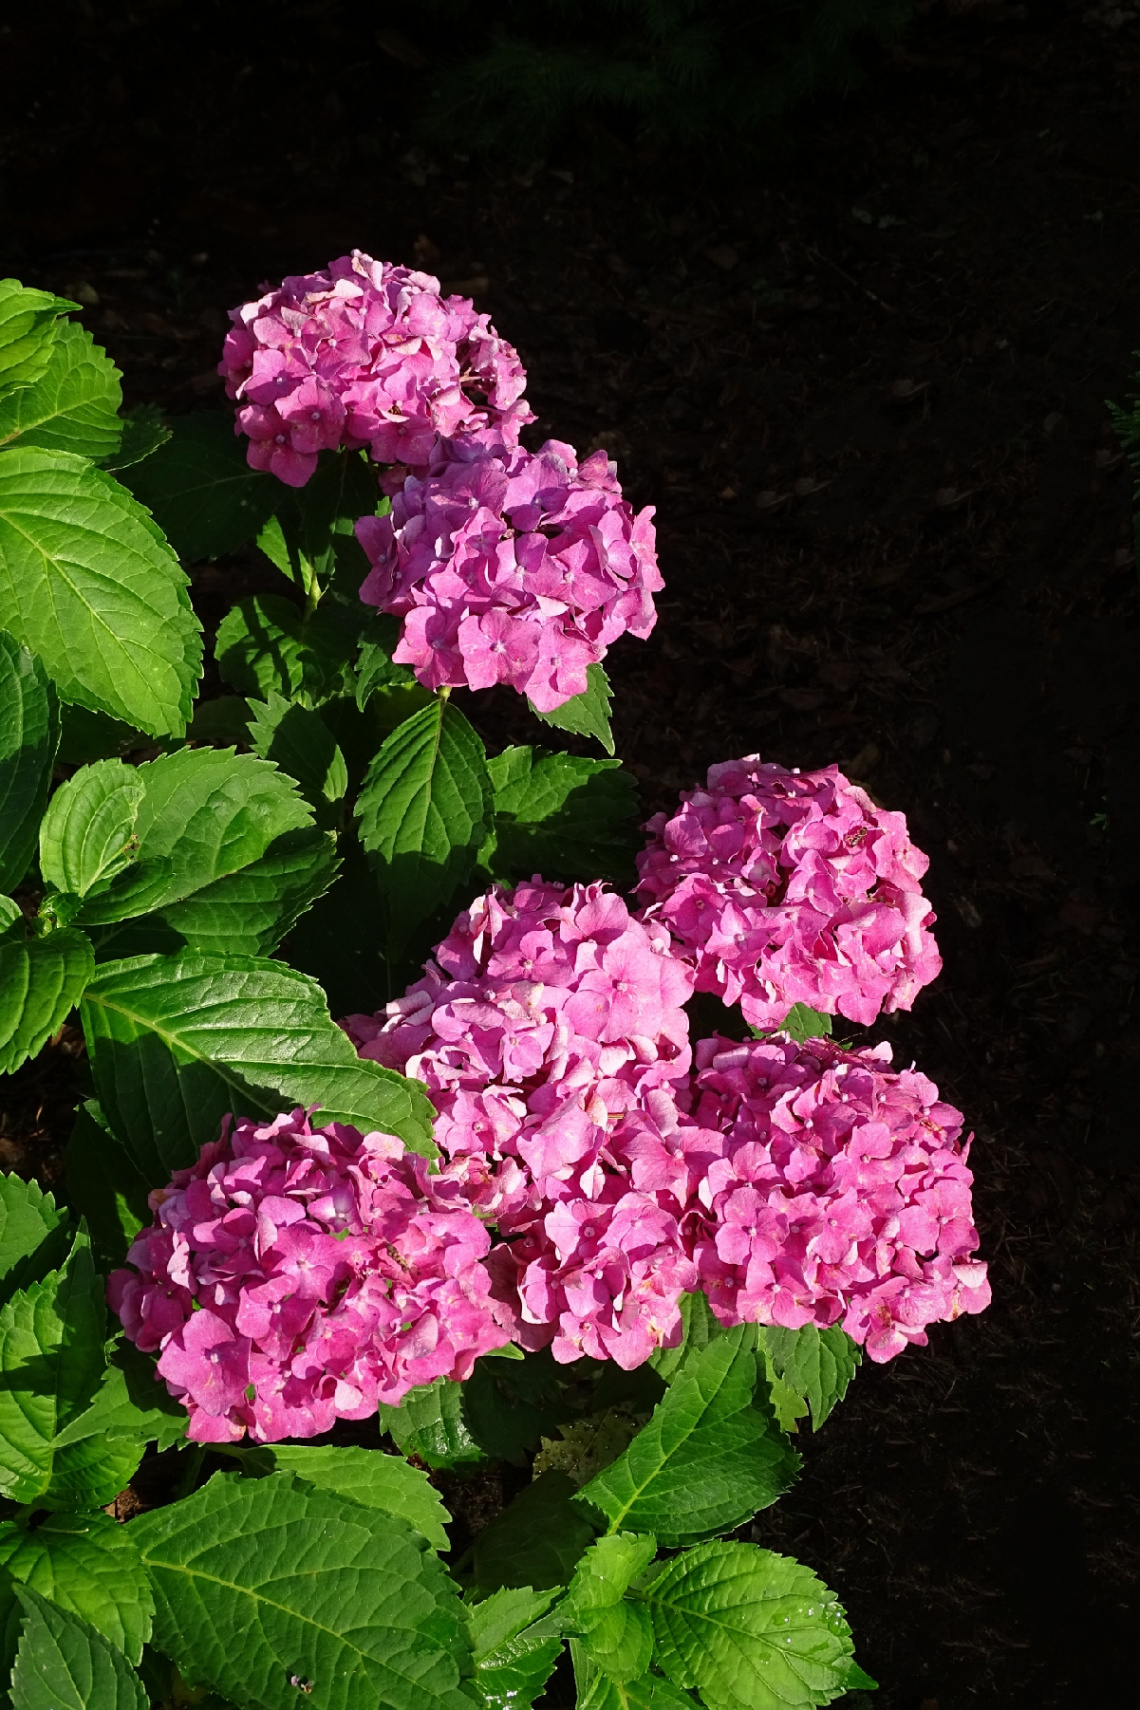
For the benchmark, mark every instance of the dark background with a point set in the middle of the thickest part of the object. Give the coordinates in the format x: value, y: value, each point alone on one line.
x: 863, y: 379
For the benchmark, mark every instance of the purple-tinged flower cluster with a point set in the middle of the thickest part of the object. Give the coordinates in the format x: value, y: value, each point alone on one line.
x: 546, y: 1014
x: 841, y: 1194
x: 509, y: 566
x: 786, y: 887
x: 295, y: 1275
x: 365, y: 353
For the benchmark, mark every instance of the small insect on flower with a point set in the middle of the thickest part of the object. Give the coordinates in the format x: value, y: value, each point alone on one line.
x: 302, y: 1685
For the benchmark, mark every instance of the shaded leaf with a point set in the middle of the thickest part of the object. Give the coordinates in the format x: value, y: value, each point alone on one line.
x: 143, y: 432
x: 263, y: 1584
x: 587, y: 714
x: 34, y: 1234
x: 301, y: 743
x: 73, y: 405
x: 176, y: 1042
x: 29, y: 737
x: 133, y: 1403
x: 513, y: 1658
x: 87, y: 833
x: 41, y: 981
x: 817, y: 1364
x: 710, y: 1456
x: 88, y: 583
x: 700, y: 1327
x: 260, y: 647
x: 429, y: 1424
x: 537, y: 1540
x: 86, y: 1564
x: 367, y: 1476
x: 63, y: 1663
x: 561, y: 815
x: 200, y: 489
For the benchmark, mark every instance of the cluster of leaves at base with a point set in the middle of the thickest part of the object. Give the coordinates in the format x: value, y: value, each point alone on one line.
x: 717, y: 74
x: 318, y: 1569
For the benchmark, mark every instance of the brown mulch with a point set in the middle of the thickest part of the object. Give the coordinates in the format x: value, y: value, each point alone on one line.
x: 865, y: 388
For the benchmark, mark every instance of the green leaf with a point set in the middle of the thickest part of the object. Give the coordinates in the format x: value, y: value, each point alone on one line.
x: 375, y: 668
x: 513, y: 1658
x: 88, y: 832
x: 29, y: 737
x: 367, y: 1476
x: 88, y: 1565
x: 504, y: 1423
x: 700, y: 1327
x: 587, y: 714
x: 710, y: 1456
x: 817, y: 1364
x: 232, y: 841
x: 312, y: 524
x: 750, y: 1630
x: 200, y: 490
x: 561, y: 815
x: 267, y: 1588
x: 41, y: 981
x: 599, y: 1691
x: 28, y: 327
x: 51, y: 1364
x: 301, y: 743
x: 617, y: 1633
x: 537, y: 1541
x: 178, y: 1041
x: 88, y: 583
x: 804, y: 1023
x: 73, y: 405
x: 63, y: 1663
x: 423, y: 811
x: 133, y: 1405
x: 143, y: 432
x: 35, y: 1234
x: 260, y: 647
x: 429, y: 1424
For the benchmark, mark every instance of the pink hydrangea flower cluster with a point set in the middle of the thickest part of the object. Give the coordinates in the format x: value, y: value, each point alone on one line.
x: 365, y: 353
x: 294, y: 1276
x: 841, y: 1194
x: 515, y: 567
x: 786, y: 887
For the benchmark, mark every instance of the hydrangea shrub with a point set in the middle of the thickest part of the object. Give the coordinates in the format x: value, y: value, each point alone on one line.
x: 512, y: 1211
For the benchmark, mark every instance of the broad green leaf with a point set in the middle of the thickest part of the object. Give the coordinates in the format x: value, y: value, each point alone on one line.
x: 88, y: 832
x: 73, y: 405
x: 301, y: 743
x: 93, y: 1471
x: 599, y: 1691
x: 200, y: 489
x: 513, y: 1658
x: 64, y: 1663
x: 817, y: 1364
x: 375, y: 668
x: 133, y: 1406
x: 88, y: 583
x: 312, y: 525
x: 28, y: 328
x: 536, y: 1541
x: 143, y: 432
x: 176, y: 1042
x: 133, y: 892
x: 750, y: 1630
x: 41, y: 981
x: 562, y: 816
x: 700, y: 1327
x: 502, y: 1421
x: 87, y: 1564
x: 261, y: 647
x: 801, y: 1022
x: 423, y: 811
x: 617, y: 1633
x: 220, y: 722
x: 367, y: 1476
x: 11, y: 1626
x: 266, y: 1589
x: 429, y: 1423
x: 11, y: 915
x: 51, y: 1364
x: 248, y: 913
x: 32, y: 1228
x: 29, y: 737
x: 587, y: 714
x: 710, y: 1456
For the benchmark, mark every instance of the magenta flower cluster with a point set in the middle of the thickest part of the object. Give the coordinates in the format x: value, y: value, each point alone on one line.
x: 366, y: 354
x: 515, y: 567
x: 784, y: 887
x: 840, y: 1193
x: 294, y: 1276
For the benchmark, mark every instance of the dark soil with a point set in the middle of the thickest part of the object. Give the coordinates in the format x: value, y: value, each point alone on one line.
x: 865, y: 387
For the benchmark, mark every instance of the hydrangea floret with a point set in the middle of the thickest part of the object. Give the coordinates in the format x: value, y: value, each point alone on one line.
x: 510, y: 566
x: 841, y: 1194
x: 297, y: 1275
x: 784, y: 887
x: 366, y: 354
